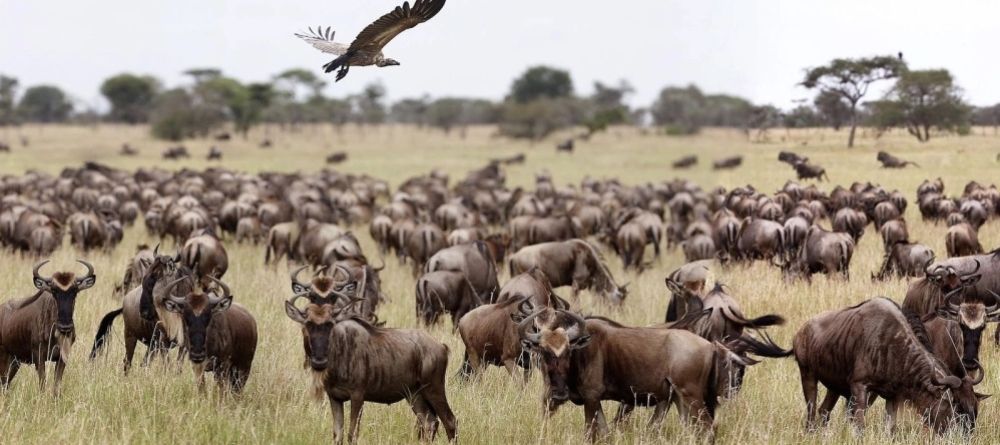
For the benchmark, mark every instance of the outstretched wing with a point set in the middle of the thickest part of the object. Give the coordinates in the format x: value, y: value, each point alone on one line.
x: 322, y: 39
x: 374, y: 37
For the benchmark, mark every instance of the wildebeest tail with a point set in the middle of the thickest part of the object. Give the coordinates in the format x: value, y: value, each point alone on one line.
x: 711, y: 394
x: 102, y: 331
x: 764, y: 348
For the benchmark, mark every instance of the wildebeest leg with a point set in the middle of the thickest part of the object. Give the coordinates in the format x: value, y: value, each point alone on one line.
x: 656, y: 420
x: 859, y: 403
x: 891, y: 409
x: 60, y: 369
x: 809, y: 392
x: 438, y: 400
x: 40, y: 369
x: 624, y: 413
x: 130, y: 341
x: 357, y: 402
x: 8, y: 369
x: 593, y: 416
x: 425, y: 416
x: 829, y: 402
x: 468, y: 369
x: 511, y: 365
x: 337, y: 410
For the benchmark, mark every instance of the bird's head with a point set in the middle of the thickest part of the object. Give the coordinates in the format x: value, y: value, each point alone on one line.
x: 389, y: 62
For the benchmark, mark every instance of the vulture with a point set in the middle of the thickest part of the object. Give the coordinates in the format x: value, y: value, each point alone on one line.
x: 366, y: 49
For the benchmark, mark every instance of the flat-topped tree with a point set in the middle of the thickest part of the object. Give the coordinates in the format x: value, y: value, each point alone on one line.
x: 851, y: 78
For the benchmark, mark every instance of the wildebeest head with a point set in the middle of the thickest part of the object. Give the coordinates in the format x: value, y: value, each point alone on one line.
x: 317, y: 322
x: 948, y: 279
x: 951, y: 401
x: 554, y: 342
x: 322, y: 289
x: 64, y: 287
x: 161, y: 266
x: 196, y: 311
x: 972, y: 315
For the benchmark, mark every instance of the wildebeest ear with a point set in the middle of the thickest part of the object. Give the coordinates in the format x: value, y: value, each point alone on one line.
x: 41, y: 283
x: 86, y: 282
x: 579, y: 342
x: 172, y: 306
x: 294, y: 313
x: 982, y: 397
x: 972, y: 279
x: 223, y: 304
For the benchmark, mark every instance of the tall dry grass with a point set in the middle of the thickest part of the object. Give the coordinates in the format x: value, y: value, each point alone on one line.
x: 160, y: 403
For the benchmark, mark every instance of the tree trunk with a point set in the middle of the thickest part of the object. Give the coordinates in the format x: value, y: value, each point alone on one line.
x: 854, y: 124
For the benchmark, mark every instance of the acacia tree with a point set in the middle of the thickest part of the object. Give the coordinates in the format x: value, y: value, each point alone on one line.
x: 922, y: 100
x: 131, y: 97
x: 851, y: 79
x: 833, y: 109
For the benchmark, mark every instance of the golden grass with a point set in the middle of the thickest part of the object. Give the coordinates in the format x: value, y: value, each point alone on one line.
x: 160, y: 404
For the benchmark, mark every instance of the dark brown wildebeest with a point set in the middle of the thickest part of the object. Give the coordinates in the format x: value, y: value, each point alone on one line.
x: 760, y: 239
x: 379, y: 229
x: 475, y: 261
x: 791, y: 158
x: 586, y: 361
x: 490, y: 337
x: 727, y: 163
x: 87, y: 231
x: 282, y: 241
x: 343, y: 247
x: 685, y: 162
x: 352, y: 360
x: 249, y: 229
x: 975, y: 213
x: 630, y: 242
x: 128, y: 150
x: 425, y: 240
x: 884, y: 212
x: 136, y: 268
x: 221, y: 337
x: 510, y: 160
x: 566, y: 146
x: 795, y: 230
x: 214, y: 154
x: 336, y: 157
x: 894, y: 232
x: 851, y: 222
x: 726, y: 234
x: 205, y: 256
x: 871, y: 349
x: 444, y: 291
x: 698, y: 247
x: 805, y: 170
x: 822, y: 252
x: 890, y: 161
x: 573, y: 263
x: 962, y: 240
x: 40, y: 328
x: 177, y: 152
x: 553, y: 228
x: 905, y: 259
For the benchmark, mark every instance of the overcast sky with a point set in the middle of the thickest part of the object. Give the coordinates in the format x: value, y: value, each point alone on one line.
x: 755, y: 49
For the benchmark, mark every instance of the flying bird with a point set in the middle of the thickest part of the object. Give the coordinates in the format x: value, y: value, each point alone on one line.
x: 366, y: 49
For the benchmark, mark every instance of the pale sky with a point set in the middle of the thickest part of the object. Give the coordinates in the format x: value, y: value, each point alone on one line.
x: 755, y: 49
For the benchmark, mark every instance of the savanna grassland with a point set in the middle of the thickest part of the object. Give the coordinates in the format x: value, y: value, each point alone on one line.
x: 160, y: 403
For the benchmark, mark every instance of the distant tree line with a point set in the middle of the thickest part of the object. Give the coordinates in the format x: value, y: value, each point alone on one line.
x: 540, y: 101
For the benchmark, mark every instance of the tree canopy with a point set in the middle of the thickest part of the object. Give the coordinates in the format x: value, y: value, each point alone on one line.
x: 541, y: 82
x: 131, y: 97
x: 922, y: 100
x: 45, y: 104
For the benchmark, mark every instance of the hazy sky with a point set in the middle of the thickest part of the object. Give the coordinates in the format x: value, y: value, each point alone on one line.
x: 756, y: 49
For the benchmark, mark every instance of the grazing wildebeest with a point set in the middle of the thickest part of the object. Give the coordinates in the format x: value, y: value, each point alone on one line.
x: 904, y: 259
x: 445, y: 291
x: 40, y: 328
x: 214, y: 154
x: 760, y: 239
x: 893, y: 232
x: 872, y: 349
x: 566, y: 146
x: 573, y: 263
x: 136, y: 268
x: 221, y: 337
x: 850, y: 221
x: 352, y: 360
x: 205, y: 256
x: 685, y: 162
x: 425, y: 240
x: 884, y: 212
x: 336, y: 157
x: 586, y: 361
x: 890, y: 161
x: 962, y: 240
x: 475, y: 261
x: 727, y: 163
x: 805, y: 170
x: 698, y: 247
x: 822, y: 252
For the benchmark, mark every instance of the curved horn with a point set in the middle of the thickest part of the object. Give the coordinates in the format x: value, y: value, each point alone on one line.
x: 156, y: 250
x: 338, y: 268
x: 90, y: 267
x: 296, y: 297
x: 980, y: 375
x: 225, y: 289
x: 522, y: 328
x: 379, y: 269
x: 34, y: 271
x: 170, y: 287
x: 295, y: 277
x: 978, y: 264
x: 579, y: 324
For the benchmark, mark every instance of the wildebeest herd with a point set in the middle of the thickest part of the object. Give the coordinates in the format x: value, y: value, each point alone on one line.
x: 458, y: 237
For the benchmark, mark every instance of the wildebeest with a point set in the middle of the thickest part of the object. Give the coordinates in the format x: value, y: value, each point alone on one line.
x: 685, y: 162
x: 871, y: 349
x: 445, y: 291
x: 336, y: 157
x: 893, y: 232
x: 760, y: 239
x: 822, y: 252
x: 425, y: 240
x: 573, y: 263
x: 136, y: 268
x: 175, y: 153
x: 805, y: 170
x: 727, y: 163
x: 475, y: 261
x: 890, y: 161
x: 355, y: 361
x: 791, y: 158
x: 205, y: 256
x: 698, y: 247
x: 221, y: 337
x: 566, y: 146
x: 850, y: 221
x: 214, y: 154
x: 905, y: 259
x: 962, y: 240
x: 586, y: 361
x: 128, y: 150
x: 40, y: 328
